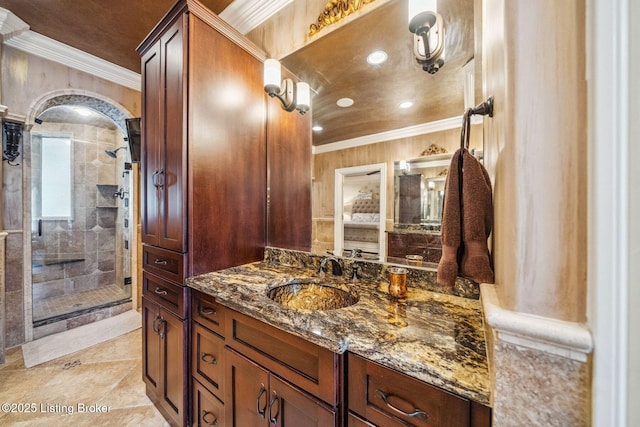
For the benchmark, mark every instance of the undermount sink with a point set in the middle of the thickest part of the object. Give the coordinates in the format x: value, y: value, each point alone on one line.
x: 312, y: 296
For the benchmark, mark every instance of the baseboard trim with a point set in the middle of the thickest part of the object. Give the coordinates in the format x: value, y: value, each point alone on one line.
x: 567, y: 339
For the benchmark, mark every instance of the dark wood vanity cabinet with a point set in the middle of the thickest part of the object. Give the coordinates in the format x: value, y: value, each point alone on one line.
x: 163, y: 360
x: 204, y: 149
x: 383, y: 397
x: 275, y: 377
x: 428, y: 245
x: 257, y: 397
x: 203, y: 179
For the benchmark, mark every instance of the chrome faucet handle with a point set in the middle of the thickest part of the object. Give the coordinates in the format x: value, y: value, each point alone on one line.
x: 356, y: 253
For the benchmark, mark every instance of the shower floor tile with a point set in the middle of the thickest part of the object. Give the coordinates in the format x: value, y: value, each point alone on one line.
x: 59, y: 305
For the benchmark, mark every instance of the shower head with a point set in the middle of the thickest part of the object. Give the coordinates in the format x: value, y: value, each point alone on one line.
x: 113, y: 153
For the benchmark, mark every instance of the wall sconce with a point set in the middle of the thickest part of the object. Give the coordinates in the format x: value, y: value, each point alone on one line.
x: 427, y: 27
x: 11, y: 142
x: 292, y: 97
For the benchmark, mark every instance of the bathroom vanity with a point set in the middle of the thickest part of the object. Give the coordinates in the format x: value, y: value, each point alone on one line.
x: 378, y: 361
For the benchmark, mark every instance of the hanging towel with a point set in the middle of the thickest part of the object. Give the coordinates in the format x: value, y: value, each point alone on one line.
x: 467, y: 220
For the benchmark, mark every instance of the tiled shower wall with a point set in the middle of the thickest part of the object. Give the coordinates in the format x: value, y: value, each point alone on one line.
x: 76, y: 255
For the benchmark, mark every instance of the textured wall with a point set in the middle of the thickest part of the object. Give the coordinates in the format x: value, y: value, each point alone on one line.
x: 535, y: 151
x: 25, y: 79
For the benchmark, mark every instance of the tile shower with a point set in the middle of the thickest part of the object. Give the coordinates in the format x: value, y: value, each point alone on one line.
x: 81, y: 263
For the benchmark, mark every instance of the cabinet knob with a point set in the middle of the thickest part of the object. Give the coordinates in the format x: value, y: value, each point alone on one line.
x: 212, y: 421
x: 208, y: 358
x: 417, y: 413
x: 160, y: 291
x: 160, y: 261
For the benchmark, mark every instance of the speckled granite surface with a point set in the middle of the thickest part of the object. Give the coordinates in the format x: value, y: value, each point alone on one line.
x: 432, y: 336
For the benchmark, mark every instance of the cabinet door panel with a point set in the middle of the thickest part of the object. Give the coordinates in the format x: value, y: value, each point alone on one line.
x: 173, y: 165
x: 151, y: 143
x: 247, y: 392
x: 172, y: 335
x: 290, y: 407
x: 150, y: 345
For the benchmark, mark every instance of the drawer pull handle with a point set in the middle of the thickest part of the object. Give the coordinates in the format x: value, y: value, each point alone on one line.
x: 211, y: 422
x: 160, y: 261
x: 208, y: 358
x: 261, y: 411
x: 417, y: 413
x: 207, y: 311
x: 160, y: 291
x: 274, y: 420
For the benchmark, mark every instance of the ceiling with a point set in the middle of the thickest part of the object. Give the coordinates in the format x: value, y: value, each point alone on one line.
x: 110, y: 29
x: 334, y: 65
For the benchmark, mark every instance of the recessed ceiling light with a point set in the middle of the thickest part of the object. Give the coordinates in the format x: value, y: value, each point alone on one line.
x: 344, y: 102
x: 316, y: 128
x: 406, y: 104
x: 377, y: 57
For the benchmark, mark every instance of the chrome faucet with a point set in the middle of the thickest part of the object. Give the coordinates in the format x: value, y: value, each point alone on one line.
x: 336, y: 267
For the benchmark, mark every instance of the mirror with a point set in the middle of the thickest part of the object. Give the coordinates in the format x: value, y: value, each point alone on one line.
x: 360, y: 211
x: 419, y: 191
x: 374, y: 129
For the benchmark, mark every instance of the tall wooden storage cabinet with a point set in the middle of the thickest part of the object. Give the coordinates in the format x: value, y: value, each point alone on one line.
x: 203, y: 179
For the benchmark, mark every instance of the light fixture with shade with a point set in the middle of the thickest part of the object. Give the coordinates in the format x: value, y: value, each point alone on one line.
x: 427, y: 27
x: 292, y: 96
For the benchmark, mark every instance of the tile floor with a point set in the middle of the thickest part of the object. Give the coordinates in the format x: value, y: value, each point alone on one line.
x: 108, y: 374
x: 63, y: 304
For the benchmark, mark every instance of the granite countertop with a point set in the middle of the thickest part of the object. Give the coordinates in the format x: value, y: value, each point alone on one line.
x: 431, y: 336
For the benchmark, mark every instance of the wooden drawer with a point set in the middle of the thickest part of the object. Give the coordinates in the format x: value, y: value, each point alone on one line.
x: 306, y: 365
x: 164, y: 263
x: 207, y: 409
x: 207, y: 359
x: 389, y: 398
x: 206, y: 311
x: 167, y: 294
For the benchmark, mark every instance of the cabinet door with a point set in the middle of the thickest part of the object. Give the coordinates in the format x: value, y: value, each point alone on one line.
x: 172, y: 349
x: 152, y: 141
x: 247, y: 392
x: 163, y: 149
x: 290, y: 407
x: 171, y: 176
x: 151, y: 345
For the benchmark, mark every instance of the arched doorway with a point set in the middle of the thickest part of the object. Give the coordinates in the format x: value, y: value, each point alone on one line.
x: 81, y: 211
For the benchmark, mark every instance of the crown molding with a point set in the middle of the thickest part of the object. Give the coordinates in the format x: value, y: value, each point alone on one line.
x: 47, y: 48
x: 558, y: 337
x: 245, y: 15
x: 10, y: 24
x: 407, y: 132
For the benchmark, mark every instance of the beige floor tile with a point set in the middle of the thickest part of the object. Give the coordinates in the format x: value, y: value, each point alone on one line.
x: 107, y: 374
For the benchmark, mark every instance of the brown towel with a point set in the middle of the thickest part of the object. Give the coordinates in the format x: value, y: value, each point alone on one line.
x: 467, y: 225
